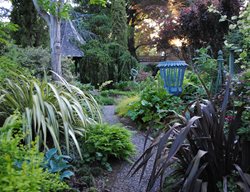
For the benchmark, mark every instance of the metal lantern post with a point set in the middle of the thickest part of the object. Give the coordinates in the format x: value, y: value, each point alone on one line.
x: 220, y: 75
x: 172, y: 73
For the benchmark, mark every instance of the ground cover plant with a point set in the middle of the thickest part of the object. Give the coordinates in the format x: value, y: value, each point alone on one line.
x: 53, y: 111
x: 56, y: 163
x: 110, y: 96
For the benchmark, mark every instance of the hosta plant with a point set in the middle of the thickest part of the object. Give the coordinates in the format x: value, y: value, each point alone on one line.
x: 55, y: 163
x: 198, y: 154
x: 55, y: 112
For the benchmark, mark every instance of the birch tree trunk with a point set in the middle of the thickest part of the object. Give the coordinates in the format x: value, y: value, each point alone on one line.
x: 54, y: 23
x: 55, y: 46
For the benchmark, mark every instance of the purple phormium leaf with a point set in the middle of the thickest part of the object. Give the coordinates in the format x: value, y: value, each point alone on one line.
x: 204, y: 187
x: 173, y: 150
x: 192, y: 174
x: 180, y: 138
x: 244, y: 178
x: 224, y: 184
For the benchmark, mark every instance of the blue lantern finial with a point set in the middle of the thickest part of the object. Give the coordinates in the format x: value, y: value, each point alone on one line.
x: 172, y: 73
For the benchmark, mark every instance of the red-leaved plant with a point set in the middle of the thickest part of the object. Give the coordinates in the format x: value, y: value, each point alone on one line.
x: 202, y: 152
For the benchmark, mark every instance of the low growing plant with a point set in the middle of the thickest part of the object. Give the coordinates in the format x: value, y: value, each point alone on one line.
x: 103, y: 142
x: 153, y: 105
x: 20, y: 165
x: 127, y: 86
x: 125, y: 104
x: 192, y: 88
x: 55, y: 163
x: 105, y: 100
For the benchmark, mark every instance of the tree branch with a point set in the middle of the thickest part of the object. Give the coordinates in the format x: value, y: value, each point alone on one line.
x: 144, y: 44
x: 41, y: 12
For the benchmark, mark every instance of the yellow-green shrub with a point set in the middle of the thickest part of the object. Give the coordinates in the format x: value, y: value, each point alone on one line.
x: 125, y: 105
x: 20, y: 166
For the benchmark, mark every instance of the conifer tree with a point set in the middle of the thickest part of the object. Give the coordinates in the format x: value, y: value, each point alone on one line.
x: 119, y: 22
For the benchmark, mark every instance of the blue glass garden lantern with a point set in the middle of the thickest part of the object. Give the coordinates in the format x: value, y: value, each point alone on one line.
x: 172, y: 73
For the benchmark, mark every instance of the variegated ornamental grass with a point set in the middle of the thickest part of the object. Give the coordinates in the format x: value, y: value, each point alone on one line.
x: 49, y: 110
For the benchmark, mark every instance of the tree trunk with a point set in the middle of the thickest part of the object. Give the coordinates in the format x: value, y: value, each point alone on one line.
x: 131, y: 42
x: 54, y: 23
x: 55, y: 46
x: 131, y: 39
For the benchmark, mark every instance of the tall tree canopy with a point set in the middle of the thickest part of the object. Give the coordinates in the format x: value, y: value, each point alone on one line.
x: 198, y: 26
x: 32, y: 30
x: 141, y: 14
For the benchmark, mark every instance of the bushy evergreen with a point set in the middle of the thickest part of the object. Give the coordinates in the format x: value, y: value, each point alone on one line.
x: 103, y: 62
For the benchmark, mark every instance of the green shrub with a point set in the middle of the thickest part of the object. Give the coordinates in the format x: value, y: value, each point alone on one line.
x: 153, y: 105
x: 206, y: 67
x: 243, y: 24
x: 94, y: 66
x: 103, y: 141
x: 126, y: 86
x: 103, y: 62
x: 241, y: 89
x: 51, y: 111
x: 37, y: 61
x: 20, y: 166
x: 192, y: 88
x: 123, y: 61
x: 6, y: 66
x: 84, y: 87
x: 6, y: 28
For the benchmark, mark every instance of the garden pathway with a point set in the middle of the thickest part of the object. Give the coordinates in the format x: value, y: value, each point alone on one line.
x: 119, y: 181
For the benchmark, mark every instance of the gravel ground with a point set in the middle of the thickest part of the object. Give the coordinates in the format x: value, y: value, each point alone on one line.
x: 118, y: 181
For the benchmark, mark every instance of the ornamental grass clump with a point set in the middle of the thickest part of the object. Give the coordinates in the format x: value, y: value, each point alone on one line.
x: 53, y: 111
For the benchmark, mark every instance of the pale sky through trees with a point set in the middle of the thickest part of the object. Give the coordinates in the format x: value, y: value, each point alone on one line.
x: 5, y: 3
